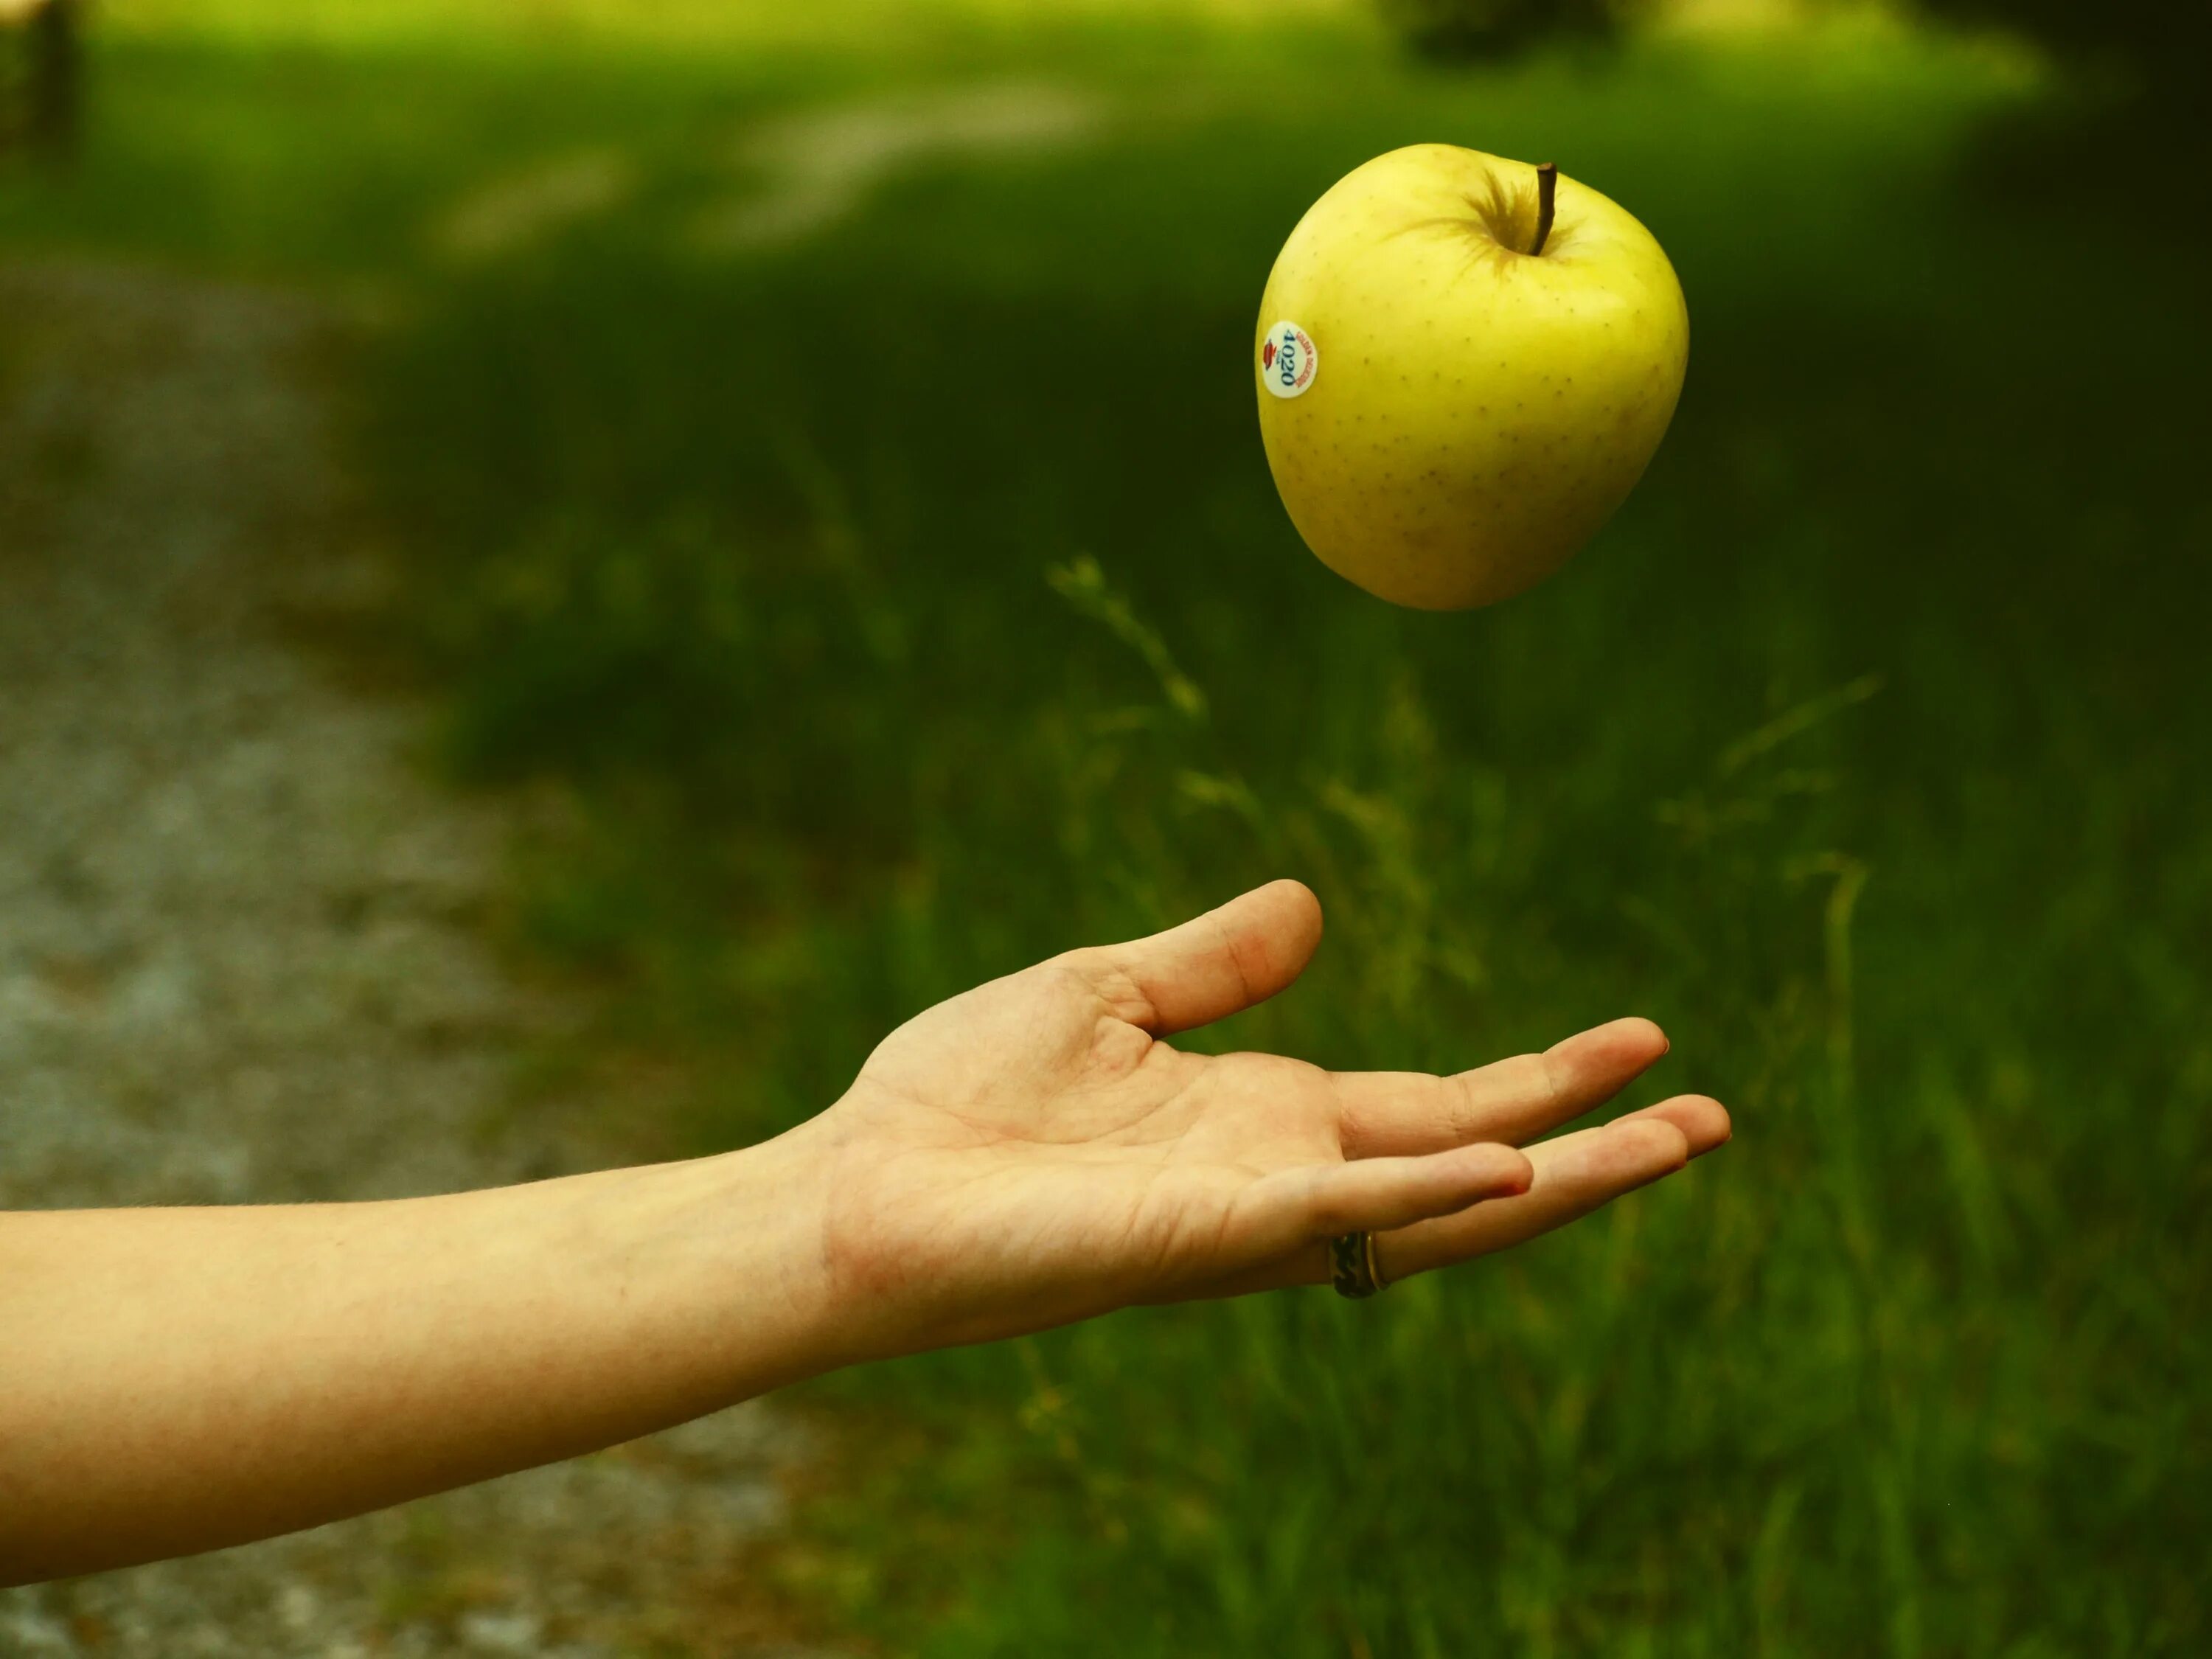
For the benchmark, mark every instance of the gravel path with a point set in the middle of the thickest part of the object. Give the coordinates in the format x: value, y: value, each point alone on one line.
x: 240, y: 957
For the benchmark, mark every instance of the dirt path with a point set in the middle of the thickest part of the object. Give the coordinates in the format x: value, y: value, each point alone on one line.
x: 240, y: 957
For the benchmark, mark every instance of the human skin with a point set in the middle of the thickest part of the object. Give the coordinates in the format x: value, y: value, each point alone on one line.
x: 1028, y: 1154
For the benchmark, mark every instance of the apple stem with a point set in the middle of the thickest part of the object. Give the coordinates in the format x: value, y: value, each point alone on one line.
x: 1547, y: 189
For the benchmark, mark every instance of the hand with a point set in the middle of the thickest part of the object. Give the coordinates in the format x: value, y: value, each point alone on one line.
x: 1033, y: 1153
x: 1025, y: 1155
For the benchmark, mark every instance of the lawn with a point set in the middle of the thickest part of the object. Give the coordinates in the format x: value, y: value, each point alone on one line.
x: 823, y: 461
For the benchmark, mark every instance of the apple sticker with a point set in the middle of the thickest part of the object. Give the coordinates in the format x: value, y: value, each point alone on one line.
x: 1288, y: 361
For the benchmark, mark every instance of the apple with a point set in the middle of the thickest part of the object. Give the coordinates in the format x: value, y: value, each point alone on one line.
x: 1464, y: 365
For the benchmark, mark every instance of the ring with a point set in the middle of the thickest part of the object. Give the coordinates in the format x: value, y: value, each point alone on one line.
x: 1352, y: 1265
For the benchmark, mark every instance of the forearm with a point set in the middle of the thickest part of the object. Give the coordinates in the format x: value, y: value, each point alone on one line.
x: 177, y: 1379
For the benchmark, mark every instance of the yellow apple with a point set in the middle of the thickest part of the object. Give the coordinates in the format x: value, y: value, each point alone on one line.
x: 1464, y: 365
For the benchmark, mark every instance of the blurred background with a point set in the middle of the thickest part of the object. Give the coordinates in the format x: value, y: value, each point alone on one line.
x: 564, y: 566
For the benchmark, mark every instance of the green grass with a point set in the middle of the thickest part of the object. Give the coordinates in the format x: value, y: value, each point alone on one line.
x: 902, y: 605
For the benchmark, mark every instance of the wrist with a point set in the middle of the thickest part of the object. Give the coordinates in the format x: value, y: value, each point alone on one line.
x: 751, y: 1225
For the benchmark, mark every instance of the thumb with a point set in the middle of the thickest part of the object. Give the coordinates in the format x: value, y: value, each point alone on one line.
x: 1212, y: 965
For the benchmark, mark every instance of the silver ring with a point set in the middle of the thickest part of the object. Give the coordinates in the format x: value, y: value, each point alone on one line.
x: 1352, y: 1266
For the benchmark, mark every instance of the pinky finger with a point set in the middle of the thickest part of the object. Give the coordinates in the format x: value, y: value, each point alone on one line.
x: 1298, y: 1211
x: 1376, y: 1194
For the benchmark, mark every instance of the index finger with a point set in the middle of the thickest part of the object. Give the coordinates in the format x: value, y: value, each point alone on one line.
x: 1400, y: 1114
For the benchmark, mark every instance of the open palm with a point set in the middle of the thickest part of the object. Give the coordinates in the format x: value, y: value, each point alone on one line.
x: 1033, y: 1151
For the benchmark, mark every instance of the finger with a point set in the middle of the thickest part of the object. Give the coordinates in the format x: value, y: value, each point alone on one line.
x: 1301, y: 1210
x: 1388, y: 1113
x: 1377, y: 1194
x: 1703, y: 1121
x: 1575, y: 1174
x: 1211, y: 966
